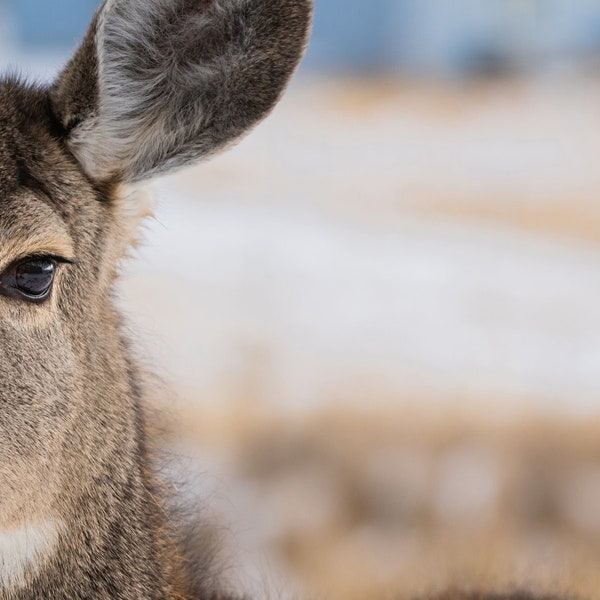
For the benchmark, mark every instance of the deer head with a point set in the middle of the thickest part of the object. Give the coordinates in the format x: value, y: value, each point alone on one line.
x: 155, y: 85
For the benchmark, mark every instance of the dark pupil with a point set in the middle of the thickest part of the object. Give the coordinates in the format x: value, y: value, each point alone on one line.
x: 34, y: 277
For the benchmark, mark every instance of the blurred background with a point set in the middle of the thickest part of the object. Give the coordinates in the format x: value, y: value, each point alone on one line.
x: 377, y: 319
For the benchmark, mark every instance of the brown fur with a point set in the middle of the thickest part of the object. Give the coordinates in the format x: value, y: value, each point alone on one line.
x: 72, y: 424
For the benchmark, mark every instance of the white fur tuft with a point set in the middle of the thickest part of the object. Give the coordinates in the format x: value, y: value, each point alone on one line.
x: 24, y: 550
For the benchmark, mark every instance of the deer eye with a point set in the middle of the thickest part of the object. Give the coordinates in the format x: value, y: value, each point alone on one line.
x: 34, y: 277
x: 30, y: 279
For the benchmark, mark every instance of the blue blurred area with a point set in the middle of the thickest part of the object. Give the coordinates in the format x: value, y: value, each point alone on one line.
x: 453, y: 36
x: 42, y: 23
x: 414, y: 36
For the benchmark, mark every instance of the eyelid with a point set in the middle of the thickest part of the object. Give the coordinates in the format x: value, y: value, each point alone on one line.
x: 42, y: 256
x: 15, y: 249
x: 10, y: 258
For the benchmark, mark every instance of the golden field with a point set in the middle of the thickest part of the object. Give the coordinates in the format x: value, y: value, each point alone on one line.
x: 396, y: 505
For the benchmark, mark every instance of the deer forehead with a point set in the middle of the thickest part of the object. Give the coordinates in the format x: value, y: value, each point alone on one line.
x: 30, y: 226
x: 47, y: 205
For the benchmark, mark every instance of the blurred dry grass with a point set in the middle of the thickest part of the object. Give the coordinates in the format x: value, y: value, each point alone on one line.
x: 369, y: 505
x: 356, y: 488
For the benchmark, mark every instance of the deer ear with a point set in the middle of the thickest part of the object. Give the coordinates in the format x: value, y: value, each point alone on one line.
x: 157, y: 84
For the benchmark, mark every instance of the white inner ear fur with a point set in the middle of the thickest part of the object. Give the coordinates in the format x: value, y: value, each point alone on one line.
x: 24, y: 550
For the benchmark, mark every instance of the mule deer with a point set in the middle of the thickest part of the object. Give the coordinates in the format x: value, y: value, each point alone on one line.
x: 155, y: 85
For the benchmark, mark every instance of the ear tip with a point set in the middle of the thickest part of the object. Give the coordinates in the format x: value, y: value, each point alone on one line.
x: 292, y: 18
x: 281, y: 35
x: 291, y: 25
